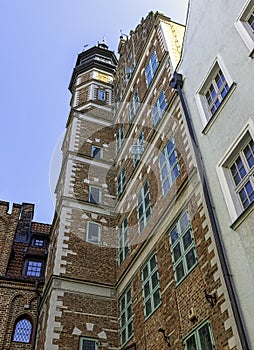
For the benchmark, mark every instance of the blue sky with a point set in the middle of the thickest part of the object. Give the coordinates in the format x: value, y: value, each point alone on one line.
x: 40, y: 41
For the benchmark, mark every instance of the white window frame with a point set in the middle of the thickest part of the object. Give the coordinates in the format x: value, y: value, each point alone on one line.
x: 234, y: 205
x: 151, y: 68
x: 244, y: 28
x: 88, y: 240
x: 160, y: 108
x: 166, y: 166
x: 126, y: 319
x: 178, y: 242
x: 196, y: 335
x: 100, y: 153
x: 121, y: 181
x: 151, y: 291
x: 88, y: 339
x: 142, y: 209
x: 201, y: 101
x: 98, y: 190
x: 123, y: 241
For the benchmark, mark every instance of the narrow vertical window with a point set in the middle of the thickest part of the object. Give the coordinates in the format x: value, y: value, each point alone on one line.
x: 151, y: 286
x: 101, y: 95
x: 126, y: 324
x: 183, y: 248
x: 144, y: 206
x: 159, y: 108
x: 121, y: 181
x: 94, y: 195
x: 134, y: 105
x: 96, y: 152
x: 123, y: 241
x: 169, y: 167
x: 119, y: 137
x: 93, y: 233
x: 138, y: 148
x: 151, y: 68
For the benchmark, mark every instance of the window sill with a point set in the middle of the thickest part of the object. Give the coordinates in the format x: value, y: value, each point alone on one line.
x: 217, y: 112
x: 242, y: 216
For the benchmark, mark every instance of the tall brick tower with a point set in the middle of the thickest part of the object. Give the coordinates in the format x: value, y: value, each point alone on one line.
x: 133, y: 263
x: 79, y: 301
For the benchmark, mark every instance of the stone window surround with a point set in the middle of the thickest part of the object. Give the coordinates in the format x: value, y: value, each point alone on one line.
x: 206, y: 117
x: 243, y: 27
x: 235, y: 209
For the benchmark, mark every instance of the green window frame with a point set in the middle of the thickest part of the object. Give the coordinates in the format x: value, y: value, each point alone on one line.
x: 151, y: 68
x: 159, y: 108
x: 201, y: 338
x: 126, y: 318
x: 169, y: 166
x: 123, y: 241
x: 88, y: 344
x: 151, y: 286
x: 183, y: 249
x: 144, y: 209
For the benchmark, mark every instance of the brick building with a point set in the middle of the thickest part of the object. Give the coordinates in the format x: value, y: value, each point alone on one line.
x: 23, y: 247
x: 133, y: 262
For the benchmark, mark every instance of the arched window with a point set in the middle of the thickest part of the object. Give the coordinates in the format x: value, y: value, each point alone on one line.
x: 22, y: 330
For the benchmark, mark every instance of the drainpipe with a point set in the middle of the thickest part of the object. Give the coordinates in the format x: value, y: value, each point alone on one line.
x: 177, y: 84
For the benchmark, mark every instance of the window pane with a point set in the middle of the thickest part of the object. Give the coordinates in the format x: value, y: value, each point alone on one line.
x: 148, y: 307
x: 156, y: 298
x: 190, y: 259
x: 22, y: 332
x: 184, y: 221
x: 248, y: 152
x: 205, y: 338
x: 177, y: 252
x: 146, y: 289
x: 179, y: 271
x: 187, y: 239
x: 191, y: 343
x: 174, y: 235
x: 155, y: 280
